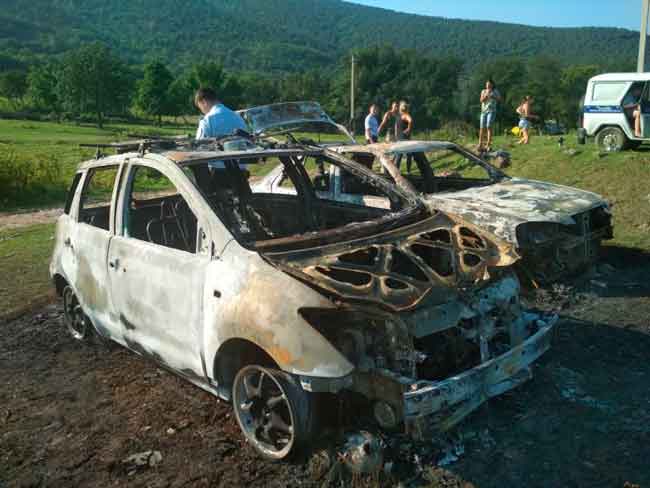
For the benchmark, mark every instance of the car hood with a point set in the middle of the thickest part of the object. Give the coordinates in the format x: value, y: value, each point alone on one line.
x: 433, y: 261
x: 502, y: 206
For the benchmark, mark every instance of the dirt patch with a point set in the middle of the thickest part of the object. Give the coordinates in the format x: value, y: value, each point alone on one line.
x: 24, y: 219
x: 75, y: 415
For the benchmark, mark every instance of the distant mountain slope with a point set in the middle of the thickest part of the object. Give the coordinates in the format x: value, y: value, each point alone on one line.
x: 281, y: 35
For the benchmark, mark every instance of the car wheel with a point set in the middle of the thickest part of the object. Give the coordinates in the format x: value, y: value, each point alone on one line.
x: 273, y: 411
x: 611, y: 139
x: 73, y: 316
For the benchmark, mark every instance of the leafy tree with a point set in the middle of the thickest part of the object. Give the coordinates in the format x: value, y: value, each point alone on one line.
x: 42, y: 81
x: 179, y: 96
x: 574, y: 83
x: 207, y: 75
x: 153, y: 92
x: 13, y: 86
x: 258, y: 90
x: 93, y: 80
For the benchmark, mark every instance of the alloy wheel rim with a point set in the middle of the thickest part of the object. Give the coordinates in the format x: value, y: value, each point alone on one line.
x: 611, y: 142
x: 263, y: 412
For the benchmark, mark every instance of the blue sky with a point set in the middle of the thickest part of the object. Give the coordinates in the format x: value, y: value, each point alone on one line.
x: 556, y: 13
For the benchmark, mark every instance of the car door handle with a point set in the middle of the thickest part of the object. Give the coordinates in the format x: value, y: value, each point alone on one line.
x: 68, y: 243
x: 114, y: 264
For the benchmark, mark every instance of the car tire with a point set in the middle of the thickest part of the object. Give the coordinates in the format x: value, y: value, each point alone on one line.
x: 74, y: 318
x: 273, y: 411
x: 611, y: 139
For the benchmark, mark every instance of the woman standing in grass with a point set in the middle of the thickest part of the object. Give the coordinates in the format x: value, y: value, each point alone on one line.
x: 404, y: 128
x: 489, y: 98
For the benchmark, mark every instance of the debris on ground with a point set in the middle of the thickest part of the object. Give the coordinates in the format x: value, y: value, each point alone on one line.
x: 143, y: 459
x: 499, y: 158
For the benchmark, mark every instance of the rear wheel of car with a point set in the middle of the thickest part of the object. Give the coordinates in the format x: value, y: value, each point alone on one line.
x: 273, y: 411
x: 73, y: 316
x: 611, y: 139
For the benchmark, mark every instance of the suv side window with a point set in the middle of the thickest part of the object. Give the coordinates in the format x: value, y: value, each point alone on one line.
x: 95, y: 207
x: 158, y: 213
x: 608, y: 91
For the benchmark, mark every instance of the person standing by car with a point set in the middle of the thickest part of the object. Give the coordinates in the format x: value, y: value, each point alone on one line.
x: 632, y: 102
x: 389, y: 121
x: 218, y: 120
x: 525, y: 115
x: 371, y: 125
x: 490, y: 96
x: 404, y: 123
x: 404, y: 128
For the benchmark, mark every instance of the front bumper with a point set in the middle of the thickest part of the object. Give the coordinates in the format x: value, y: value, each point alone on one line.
x: 442, y: 404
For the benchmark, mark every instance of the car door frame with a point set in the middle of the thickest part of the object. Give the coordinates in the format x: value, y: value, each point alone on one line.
x: 88, y: 276
x: 193, y: 366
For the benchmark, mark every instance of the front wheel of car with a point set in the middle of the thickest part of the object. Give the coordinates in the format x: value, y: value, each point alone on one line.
x: 274, y: 412
x: 74, y: 318
x: 611, y: 139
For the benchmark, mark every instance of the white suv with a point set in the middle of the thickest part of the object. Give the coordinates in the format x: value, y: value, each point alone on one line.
x: 608, y: 110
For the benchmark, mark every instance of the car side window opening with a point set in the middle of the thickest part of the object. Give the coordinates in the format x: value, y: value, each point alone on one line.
x: 95, y: 206
x: 156, y: 212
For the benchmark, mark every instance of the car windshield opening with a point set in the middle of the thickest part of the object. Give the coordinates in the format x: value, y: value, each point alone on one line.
x: 301, y: 210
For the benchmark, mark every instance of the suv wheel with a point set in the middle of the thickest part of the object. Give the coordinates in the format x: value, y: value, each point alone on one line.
x: 274, y: 412
x: 611, y: 139
x: 73, y: 316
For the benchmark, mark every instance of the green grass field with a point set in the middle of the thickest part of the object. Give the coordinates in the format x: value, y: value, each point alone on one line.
x: 47, y: 154
x: 37, y: 159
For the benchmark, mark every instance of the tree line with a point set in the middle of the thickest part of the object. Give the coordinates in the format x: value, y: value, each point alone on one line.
x: 92, y: 81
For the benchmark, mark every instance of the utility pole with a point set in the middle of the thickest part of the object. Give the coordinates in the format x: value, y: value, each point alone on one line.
x: 352, y: 94
x: 640, y: 66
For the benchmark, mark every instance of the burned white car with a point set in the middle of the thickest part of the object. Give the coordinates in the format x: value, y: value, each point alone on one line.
x: 277, y: 301
x: 557, y: 229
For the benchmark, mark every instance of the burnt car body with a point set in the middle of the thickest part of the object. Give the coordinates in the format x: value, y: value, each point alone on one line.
x: 275, y: 301
x: 556, y: 229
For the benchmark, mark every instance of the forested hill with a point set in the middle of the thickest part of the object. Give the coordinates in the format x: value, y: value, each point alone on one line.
x: 279, y: 35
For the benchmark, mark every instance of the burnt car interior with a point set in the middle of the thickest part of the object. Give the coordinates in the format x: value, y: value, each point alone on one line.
x: 157, y: 213
x: 266, y: 220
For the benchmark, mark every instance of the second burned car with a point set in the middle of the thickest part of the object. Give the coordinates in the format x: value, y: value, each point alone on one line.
x: 277, y: 301
x: 556, y: 229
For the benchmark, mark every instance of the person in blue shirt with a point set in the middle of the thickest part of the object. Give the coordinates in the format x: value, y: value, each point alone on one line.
x: 218, y: 120
x: 371, y: 125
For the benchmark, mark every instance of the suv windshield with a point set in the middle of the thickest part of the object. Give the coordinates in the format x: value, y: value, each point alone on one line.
x: 300, y: 214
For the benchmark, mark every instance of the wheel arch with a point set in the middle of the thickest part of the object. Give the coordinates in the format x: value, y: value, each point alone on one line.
x: 234, y: 354
x: 604, y: 126
x: 60, y: 283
